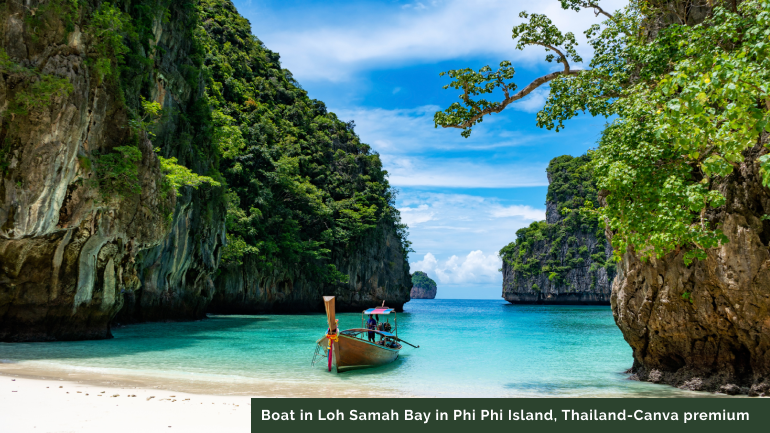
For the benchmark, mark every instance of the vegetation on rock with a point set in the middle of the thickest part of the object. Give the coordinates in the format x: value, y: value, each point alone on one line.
x: 302, y: 186
x: 159, y: 140
x: 571, y: 187
x: 117, y: 175
x: 683, y: 172
x: 422, y: 280
x: 689, y: 87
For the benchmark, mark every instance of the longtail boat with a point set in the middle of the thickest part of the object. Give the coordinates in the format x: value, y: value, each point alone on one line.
x: 351, y: 349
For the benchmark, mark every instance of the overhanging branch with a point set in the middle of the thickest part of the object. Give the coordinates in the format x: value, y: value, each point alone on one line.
x: 598, y: 10
x: 520, y: 94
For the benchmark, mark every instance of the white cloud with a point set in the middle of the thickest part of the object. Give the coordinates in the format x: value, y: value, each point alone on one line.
x: 462, y: 173
x: 475, y: 268
x: 526, y: 212
x: 417, y: 6
x: 415, y: 153
x: 499, y: 155
x: 533, y: 102
x: 446, y: 224
x: 414, y: 216
x: 428, y: 264
x: 448, y: 29
x: 409, y: 130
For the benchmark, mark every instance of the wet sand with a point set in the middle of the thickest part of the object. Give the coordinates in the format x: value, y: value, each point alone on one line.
x: 220, y: 386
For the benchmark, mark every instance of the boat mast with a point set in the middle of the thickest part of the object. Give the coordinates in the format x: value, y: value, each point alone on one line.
x: 332, y: 335
x: 329, y: 305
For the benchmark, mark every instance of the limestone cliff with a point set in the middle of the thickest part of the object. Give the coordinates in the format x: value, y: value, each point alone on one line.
x: 91, y: 227
x: 706, y: 326
x: 376, y: 271
x: 423, y: 286
x: 310, y: 210
x: 566, y: 258
x: 71, y: 241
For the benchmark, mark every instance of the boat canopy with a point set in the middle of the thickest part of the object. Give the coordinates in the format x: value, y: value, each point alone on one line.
x: 379, y: 310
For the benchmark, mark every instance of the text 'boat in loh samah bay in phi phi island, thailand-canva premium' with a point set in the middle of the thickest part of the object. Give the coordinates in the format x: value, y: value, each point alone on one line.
x: 349, y: 349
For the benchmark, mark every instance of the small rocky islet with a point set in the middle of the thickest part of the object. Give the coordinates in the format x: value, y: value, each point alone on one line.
x: 423, y: 287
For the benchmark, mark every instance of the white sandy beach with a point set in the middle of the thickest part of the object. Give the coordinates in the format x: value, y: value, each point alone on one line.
x: 49, y: 405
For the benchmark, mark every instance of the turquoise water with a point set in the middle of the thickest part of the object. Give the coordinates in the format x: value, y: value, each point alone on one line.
x: 467, y: 349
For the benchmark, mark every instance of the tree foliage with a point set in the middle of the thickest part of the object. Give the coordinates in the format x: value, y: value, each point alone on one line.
x: 690, y: 91
x: 117, y: 174
x: 302, y: 186
x: 177, y: 176
x: 37, y: 89
x: 108, y: 28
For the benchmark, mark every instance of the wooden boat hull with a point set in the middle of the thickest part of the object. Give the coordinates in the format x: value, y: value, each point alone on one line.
x: 351, y: 353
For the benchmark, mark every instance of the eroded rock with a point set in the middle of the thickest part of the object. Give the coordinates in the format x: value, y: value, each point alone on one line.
x: 69, y: 251
x: 377, y: 271
x: 706, y: 326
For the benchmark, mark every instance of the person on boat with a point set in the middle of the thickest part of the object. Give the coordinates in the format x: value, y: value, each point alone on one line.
x: 388, y: 342
x: 372, y: 325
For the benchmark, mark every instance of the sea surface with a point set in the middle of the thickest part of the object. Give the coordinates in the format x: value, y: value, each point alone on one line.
x: 468, y: 348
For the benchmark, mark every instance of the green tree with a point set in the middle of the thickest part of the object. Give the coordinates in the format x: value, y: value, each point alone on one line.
x: 690, y: 91
x: 108, y: 28
x: 36, y: 90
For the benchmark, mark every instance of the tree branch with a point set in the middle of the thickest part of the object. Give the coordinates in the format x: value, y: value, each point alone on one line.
x: 562, y: 57
x: 598, y: 10
x: 520, y: 94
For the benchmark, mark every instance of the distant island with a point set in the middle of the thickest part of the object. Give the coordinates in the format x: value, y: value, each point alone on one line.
x: 565, y: 259
x: 423, y: 286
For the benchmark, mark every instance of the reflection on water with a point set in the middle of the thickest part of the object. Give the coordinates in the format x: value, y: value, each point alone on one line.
x: 467, y: 348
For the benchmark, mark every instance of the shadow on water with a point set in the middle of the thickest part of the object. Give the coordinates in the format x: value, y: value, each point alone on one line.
x: 136, y: 339
x: 567, y: 389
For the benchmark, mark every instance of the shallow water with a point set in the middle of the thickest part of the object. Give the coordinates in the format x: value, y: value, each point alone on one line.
x: 468, y: 348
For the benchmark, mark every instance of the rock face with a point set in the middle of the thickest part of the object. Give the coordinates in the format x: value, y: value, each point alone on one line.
x: 706, y: 326
x: 176, y: 276
x: 71, y: 249
x: 377, y: 271
x: 565, y: 259
x: 423, y: 286
x: 91, y: 232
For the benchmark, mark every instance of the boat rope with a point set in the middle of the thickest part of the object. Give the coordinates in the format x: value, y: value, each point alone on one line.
x: 332, y: 337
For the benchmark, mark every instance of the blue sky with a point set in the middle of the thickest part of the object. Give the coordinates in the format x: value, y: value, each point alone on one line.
x: 377, y: 62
